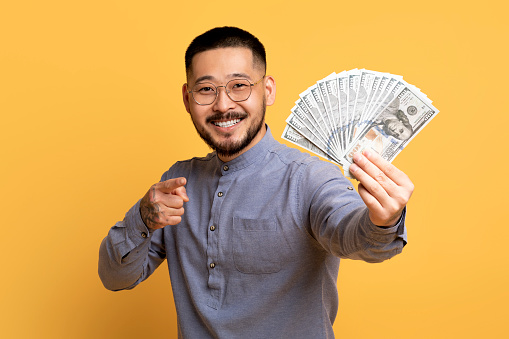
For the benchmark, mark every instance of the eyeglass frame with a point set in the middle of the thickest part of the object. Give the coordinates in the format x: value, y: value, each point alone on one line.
x: 227, y: 93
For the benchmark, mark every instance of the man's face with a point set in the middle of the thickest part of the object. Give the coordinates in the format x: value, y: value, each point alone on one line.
x: 229, y: 127
x: 397, y: 129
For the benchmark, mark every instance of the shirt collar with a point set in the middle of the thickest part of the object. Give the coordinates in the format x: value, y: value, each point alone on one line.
x: 252, y: 154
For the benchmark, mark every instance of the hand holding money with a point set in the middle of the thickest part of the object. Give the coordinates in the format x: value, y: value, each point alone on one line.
x: 163, y: 203
x: 356, y: 110
x: 384, y: 189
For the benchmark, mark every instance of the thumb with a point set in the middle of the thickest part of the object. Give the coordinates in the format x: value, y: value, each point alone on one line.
x: 170, y: 185
x: 181, y: 192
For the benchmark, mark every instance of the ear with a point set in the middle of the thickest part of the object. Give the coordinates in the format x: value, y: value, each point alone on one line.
x: 270, y: 90
x: 185, y: 97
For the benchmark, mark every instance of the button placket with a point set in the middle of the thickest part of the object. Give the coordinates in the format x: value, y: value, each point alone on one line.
x: 216, y: 281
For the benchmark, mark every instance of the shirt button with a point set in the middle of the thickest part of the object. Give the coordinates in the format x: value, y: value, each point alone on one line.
x: 212, y: 265
x: 143, y: 234
x: 212, y: 228
x: 226, y: 168
x: 220, y: 194
x: 350, y: 188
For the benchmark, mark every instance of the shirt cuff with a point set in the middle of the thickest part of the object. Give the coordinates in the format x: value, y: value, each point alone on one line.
x: 137, y: 231
x: 399, y: 229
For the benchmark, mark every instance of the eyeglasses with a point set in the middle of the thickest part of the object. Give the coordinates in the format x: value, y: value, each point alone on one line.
x: 205, y: 93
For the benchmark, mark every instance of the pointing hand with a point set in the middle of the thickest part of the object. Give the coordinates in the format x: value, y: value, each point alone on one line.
x: 163, y: 203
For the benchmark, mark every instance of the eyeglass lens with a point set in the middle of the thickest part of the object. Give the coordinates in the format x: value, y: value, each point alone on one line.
x: 205, y: 93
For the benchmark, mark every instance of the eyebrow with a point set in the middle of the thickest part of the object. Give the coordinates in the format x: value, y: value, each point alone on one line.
x: 232, y: 75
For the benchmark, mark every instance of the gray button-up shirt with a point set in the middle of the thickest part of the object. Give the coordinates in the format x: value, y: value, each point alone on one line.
x: 257, y: 252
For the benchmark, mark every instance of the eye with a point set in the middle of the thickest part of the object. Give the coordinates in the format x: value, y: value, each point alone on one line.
x: 401, y: 130
x: 239, y: 85
x: 204, y: 88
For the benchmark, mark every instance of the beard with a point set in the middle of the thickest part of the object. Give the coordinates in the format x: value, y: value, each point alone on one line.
x: 229, y: 147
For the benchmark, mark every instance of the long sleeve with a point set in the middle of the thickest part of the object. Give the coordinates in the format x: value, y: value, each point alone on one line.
x: 339, y: 220
x: 129, y: 253
x: 261, y: 235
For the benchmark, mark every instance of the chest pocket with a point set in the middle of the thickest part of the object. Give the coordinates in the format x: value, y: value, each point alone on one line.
x: 255, y: 245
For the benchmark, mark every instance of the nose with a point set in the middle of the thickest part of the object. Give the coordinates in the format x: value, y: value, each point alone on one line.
x: 223, y: 102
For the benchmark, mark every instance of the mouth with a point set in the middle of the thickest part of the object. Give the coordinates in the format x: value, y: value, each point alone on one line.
x: 227, y: 123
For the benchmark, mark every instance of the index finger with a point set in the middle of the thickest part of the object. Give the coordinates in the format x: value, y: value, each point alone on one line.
x: 170, y: 185
x: 391, y: 171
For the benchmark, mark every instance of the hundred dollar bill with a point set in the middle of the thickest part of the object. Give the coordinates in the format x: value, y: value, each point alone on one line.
x: 391, y: 81
x: 343, y: 107
x: 303, y: 109
x: 304, y: 119
x: 309, y: 100
x: 348, y: 112
x: 294, y: 121
x: 393, y: 128
x: 394, y: 85
x: 376, y: 96
x: 353, y: 86
x: 331, y: 86
x: 330, y: 100
x: 371, y: 94
x: 298, y: 139
x: 320, y: 102
x: 365, y: 84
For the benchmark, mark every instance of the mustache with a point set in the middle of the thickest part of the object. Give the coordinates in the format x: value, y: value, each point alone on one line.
x: 226, y: 116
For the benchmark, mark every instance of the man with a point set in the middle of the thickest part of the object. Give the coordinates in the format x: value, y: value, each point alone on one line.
x: 252, y: 232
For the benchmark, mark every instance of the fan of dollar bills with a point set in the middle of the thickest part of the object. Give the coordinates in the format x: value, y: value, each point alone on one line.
x: 350, y: 111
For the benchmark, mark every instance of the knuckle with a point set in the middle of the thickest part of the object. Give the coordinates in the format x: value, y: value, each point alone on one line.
x: 175, y: 201
x: 394, y: 208
x: 174, y: 220
x: 390, y: 169
x: 411, y: 187
x: 401, y: 200
x: 172, y: 212
x: 153, y: 196
x: 399, y: 197
x: 380, y: 176
x: 180, y: 203
x: 374, y: 188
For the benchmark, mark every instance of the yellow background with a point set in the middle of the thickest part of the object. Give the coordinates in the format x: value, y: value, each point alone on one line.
x: 92, y: 115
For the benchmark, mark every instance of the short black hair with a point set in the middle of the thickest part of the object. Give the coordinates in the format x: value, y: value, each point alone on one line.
x: 221, y: 37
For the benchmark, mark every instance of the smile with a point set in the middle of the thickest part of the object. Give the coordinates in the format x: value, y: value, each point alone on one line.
x: 228, y: 123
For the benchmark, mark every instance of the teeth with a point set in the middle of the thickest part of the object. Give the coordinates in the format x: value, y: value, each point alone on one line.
x: 226, y: 123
